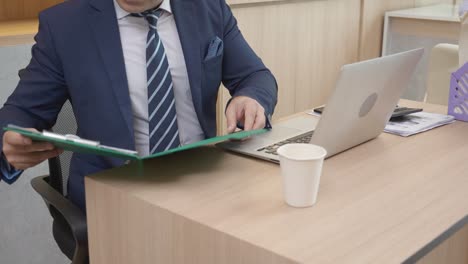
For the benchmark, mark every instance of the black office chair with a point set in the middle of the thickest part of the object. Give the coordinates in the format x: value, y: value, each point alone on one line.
x: 69, y: 222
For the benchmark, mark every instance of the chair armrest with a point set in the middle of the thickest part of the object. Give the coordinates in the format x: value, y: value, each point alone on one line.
x: 74, y: 217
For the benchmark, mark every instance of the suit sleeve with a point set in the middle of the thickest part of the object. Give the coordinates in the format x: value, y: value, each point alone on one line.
x: 7, y: 172
x: 244, y: 73
x: 41, y: 92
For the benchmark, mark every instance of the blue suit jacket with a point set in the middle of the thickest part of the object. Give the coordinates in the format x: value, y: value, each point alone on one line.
x: 78, y: 56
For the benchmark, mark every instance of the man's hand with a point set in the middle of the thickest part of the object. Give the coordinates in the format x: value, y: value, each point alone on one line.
x: 22, y: 153
x: 246, y: 111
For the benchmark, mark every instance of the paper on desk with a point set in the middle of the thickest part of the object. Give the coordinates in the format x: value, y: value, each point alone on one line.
x: 417, y: 123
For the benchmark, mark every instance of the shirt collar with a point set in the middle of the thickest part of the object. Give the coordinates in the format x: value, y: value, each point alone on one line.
x: 165, y: 5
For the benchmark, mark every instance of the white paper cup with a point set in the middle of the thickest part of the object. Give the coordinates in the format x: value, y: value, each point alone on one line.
x: 301, y: 168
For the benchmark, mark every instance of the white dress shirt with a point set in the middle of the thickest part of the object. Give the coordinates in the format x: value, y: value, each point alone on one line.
x: 133, y: 35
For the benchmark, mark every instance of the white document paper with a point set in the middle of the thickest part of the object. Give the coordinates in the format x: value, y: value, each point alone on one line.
x: 417, y: 123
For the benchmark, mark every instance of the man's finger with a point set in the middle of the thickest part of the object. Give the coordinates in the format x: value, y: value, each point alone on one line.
x: 250, y: 115
x: 16, y: 139
x: 40, y: 146
x: 22, y: 166
x: 260, y: 120
x: 231, y: 118
x: 33, y: 147
x: 33, y: 158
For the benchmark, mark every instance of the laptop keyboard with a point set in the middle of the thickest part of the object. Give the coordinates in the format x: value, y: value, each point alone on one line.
x: 272, y: 149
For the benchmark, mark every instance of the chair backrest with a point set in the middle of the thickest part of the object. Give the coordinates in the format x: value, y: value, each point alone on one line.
x: 59, y: 167
x: 443, y: 61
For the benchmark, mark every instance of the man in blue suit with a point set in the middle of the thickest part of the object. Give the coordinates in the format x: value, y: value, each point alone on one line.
x: 140, y: 74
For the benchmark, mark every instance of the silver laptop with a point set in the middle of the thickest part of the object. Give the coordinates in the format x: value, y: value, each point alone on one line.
x: 363, y: 101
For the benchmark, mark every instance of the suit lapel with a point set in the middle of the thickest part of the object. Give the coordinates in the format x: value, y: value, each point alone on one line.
x: 184, y: 14
x: 103, y: 23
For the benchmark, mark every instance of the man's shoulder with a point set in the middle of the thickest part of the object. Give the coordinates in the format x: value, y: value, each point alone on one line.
x: 209, y: 4
x: 70, y: 8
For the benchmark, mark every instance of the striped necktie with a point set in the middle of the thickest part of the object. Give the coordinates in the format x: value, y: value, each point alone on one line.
x: 163, y: 130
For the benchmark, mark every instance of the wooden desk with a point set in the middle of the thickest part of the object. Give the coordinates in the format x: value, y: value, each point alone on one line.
x: 390, y: 200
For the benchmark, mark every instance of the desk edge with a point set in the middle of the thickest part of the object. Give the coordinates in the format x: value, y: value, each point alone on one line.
x: 437, y: 241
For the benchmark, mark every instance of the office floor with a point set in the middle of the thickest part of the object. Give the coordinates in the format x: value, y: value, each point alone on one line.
x: 25, y: 224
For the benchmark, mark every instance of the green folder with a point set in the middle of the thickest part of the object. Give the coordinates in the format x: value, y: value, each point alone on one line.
x: 110, y: 152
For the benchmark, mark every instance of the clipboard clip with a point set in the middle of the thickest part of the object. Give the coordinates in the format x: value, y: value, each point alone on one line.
x: 72, y: 138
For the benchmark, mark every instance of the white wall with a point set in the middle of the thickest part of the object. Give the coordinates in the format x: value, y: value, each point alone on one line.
x: 25, y: 224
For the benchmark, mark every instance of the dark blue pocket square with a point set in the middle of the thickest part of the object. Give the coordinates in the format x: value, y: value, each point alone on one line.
x: 215, y: 49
